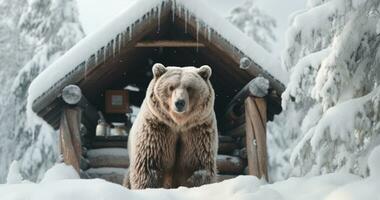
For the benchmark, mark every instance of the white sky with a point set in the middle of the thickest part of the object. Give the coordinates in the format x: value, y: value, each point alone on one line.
x: 95, y: 13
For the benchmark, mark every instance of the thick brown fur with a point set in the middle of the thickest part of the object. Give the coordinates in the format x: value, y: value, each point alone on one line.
x: 169, y: 148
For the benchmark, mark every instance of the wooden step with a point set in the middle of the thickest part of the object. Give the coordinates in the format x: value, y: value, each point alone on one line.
x: 108, y: 157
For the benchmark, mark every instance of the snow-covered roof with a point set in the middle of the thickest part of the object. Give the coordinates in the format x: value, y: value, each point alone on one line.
x: 72, y: 66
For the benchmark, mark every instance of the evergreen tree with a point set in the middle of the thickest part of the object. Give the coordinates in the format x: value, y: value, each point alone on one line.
x: 44, y: 29
x: 330, y: 120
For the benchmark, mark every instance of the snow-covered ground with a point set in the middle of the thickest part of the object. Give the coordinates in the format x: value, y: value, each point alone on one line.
x: 61, y: 183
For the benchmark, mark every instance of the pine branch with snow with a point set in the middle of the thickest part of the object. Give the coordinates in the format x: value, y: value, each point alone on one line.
x: 44, y: 30
x: 331, y: 107
x: 255, y: 23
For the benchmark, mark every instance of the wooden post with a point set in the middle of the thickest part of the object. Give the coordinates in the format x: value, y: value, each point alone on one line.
x: 70, y: 136
x: 234, y: 115
x: 255, y: 116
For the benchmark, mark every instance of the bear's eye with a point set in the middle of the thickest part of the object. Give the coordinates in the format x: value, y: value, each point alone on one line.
x: 189, y: 88
x: 171, y: 88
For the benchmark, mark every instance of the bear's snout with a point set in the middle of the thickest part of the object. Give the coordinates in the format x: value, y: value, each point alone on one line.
x: 180, y: 105
x: 180, y: 101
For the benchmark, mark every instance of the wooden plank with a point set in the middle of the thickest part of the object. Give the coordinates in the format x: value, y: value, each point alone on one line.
x: 256, y: 136
x: 69, y: 145
x: 169, y: 43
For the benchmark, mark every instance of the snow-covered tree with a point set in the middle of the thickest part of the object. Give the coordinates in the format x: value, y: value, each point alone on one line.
x: 38, y: 31
x: 255, y: 23
x: 331, y: 107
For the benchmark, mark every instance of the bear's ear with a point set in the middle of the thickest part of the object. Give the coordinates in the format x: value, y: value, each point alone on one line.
x: 158, y: 69
x: 205, y: 72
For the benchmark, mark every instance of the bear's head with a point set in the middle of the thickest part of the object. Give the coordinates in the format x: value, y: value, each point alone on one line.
x: 181, y: 95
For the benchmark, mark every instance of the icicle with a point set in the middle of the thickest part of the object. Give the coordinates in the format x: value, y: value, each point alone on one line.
x: 85, y: 70
x: 208, y: 33
x: 173, y: 10
x: 130, y: 32
x: 197, y: 30
x: 179, y: 11
x: 159, y: 18
x: 186, y: 16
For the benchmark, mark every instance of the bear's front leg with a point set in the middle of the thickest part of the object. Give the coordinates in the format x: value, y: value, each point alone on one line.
x: 153, y: 153
x: 199, y: 151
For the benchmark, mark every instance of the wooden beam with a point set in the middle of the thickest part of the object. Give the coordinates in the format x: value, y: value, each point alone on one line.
x: 169, y: 43
x: 71, y: 148
x: 255, y: 115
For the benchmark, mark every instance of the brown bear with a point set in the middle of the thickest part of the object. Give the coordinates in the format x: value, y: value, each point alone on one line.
x: 173, y: 141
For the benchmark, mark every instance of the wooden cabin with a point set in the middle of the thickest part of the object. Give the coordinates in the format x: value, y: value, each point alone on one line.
x: 112, y: 68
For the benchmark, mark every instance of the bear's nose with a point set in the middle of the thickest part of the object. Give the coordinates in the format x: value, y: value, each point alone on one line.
x: 180, y: 105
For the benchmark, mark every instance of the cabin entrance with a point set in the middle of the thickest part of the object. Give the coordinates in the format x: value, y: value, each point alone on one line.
x: 135, y: 73
x: 118, y: 74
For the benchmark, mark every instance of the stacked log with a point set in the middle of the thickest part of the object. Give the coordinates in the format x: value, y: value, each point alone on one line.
x: 108, y: 157
x: 108, y: 163
x: 230, y: 162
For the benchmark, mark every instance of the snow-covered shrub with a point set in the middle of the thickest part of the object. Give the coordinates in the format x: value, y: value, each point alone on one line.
x: 330, y: 120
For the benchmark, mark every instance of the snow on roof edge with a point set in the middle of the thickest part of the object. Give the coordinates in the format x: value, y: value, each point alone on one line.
x: 88, y: 46
x: 93, y: 42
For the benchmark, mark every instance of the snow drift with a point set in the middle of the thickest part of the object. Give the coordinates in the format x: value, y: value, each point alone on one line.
x: 61, y: 183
